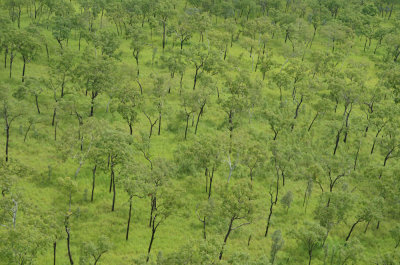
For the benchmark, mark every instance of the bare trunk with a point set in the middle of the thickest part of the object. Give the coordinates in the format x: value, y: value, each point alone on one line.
x: 68, y: 245
x: 376, y: 137
x: 54, y: 252
x: 114, y: 194
x: 195, y: 77
x: 298, y: 107
x: 163, y: 39
x: 5, y: 57
x: 351, y: 229
x: 226, y: 237
x: 312, y: 122
x: 11, y: 62
x: 187, y: 124
x: 153, y: 232
x: 130, y: 128
x: 211, y: 179
x: 93, y: 182
x: 204, y: 229
x: 111, y: 174
x: 55, y: 131
x: 27, y: 131
x: 7, y: 140
x: 23, y: 69
x: 198, y: 116
x: 37, y: 104
x: 159, y: 123
x: 337, y: 140
x: 129, y: 219
x: 54, y: 116
x: 271, y: 208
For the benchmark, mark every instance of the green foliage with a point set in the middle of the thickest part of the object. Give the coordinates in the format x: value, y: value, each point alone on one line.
x: 92, y: 251
x: 204, y: 125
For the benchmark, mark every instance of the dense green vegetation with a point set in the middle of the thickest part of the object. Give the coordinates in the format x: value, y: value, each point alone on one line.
x: 200, y: 132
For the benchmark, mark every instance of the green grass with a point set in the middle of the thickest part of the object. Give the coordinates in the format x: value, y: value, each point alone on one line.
x: 41, y: 192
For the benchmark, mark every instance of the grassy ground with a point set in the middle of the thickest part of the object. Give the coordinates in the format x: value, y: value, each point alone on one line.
x: 92, y: 219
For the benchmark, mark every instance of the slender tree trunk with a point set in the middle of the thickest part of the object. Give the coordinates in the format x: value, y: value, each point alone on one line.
x: 111, y: 176
x: 68, y: 245
x: 54, y: 252
x: 298, y: 107
x: 163, y: 39
x: 376, y: 137
x: 79, y: 41
x: 206, y: 175
x: 130, y: 128
x: 151, y: 129
x: 62, y: 86
x: 47, y: 52
x: 54, y: 117
x: 129, y: 219
x: 93, y: 182
x: 23, y: 69
x: 55, y: 131
x: 211, y: 179
x: 137, y: 63
x: 19, y: 18
x: 312, y: 40
x: 366, y: 227
x: 271, y: 208
x: 151, y: 124
x: 195, y: 77
x: 153, y: 207
x: 153, y: 232
x: 355, y: 160
x: 96, y: 260
x: 365, y: 44
x: 114, y: 194
x: 11, y: 62
x: 351, y: 229
x: 378, y: 44
x: 312, y: 122
x: 326, y: 237
x: 5, y: 57
x: 92, y: 104
x: 347, y: 123
x: 27, y: 131
x: 7, y: 140
x: 230, y: 120
x: 226, y: 237
x: 37, y: 103
x: 159, y: 123
x: 204, y: 229
x: 277, y: 184
x: 198, y: 116
x: 387, y: 157
x: 187, y: 124
x: 337, y: 140
x: 390, y: 12
x: 225, y: 52
x: 275, y: 133
x: 310, y: 256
